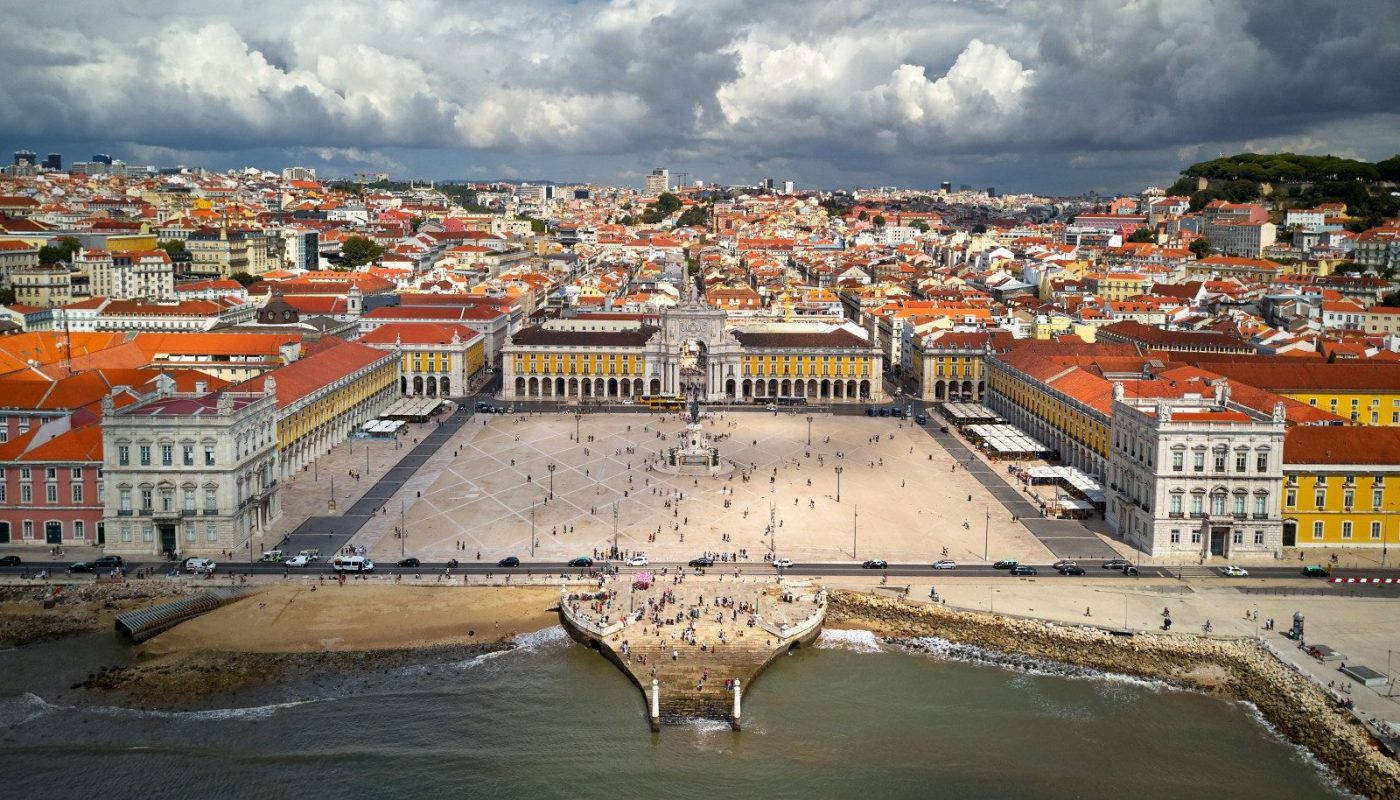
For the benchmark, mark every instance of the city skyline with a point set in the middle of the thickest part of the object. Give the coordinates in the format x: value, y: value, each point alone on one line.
x: 1024, y: 96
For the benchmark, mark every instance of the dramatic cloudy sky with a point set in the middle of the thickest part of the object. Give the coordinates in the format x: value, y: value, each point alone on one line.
x: 1020, y: 94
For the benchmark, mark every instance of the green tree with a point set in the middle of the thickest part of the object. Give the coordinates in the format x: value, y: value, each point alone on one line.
x: 1389, y: 169
x: 879, y: 220
x: 1143, y: 235
x: 60, y: 249
x: 357, y: 251
x: 172, y: 247
x: 920, y: 225
x: 667, y: 204
x: 7, y: 297
x: 695, y: 215
x: 979, y: 228
x: 1200, y: 247
x: 246, y: 279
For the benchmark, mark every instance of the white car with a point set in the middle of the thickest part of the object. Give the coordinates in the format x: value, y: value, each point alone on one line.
x: 297, y: 561
x: 1233, y: 571
x: 199, y: 565
x: 637, y: 561
x: 946, y: 563
x: 782, y: 563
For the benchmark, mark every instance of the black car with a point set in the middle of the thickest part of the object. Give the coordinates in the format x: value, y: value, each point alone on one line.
x: 410, y: 562
x: 884, y: 412
x: 869, y: 412
x: 1115, y: 563
x: 920, y: 419
x: 875, y: 563
x: 1005, y: 563
x: 108, y: 562
x: 1071, y: 569
x: 1316, y: 571
x: 1131, y: 570
x: 508, y: 561
x: 481, y: 406
x: 702, y: 561
x: 9, y: 561
x: 1022, y: 569
x: 82, y: 566
x: 581, y: 561
x: 897, y: 412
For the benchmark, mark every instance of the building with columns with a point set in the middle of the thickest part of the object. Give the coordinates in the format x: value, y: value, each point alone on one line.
x: 189, y: 473
x: 438, y: 360
x: 691, y: 348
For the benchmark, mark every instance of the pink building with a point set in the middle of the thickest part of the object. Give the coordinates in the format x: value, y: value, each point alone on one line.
x: 51, y: 485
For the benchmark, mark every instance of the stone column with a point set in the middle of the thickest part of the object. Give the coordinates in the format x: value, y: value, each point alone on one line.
x: 737, y: 693
x: 655, y: 705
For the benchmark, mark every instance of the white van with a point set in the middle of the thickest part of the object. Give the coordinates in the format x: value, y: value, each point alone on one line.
x: 352, y: 564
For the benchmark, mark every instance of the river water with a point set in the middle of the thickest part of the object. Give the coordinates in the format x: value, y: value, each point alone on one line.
x: 850, y: 718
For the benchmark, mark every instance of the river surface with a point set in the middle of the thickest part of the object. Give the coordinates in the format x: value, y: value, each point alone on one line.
x: 850, y: 718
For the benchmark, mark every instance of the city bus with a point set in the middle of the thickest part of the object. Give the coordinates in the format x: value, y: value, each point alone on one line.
x: 664, y: 402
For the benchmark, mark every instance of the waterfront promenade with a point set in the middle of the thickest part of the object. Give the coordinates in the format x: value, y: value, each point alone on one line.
x: 691, y: 644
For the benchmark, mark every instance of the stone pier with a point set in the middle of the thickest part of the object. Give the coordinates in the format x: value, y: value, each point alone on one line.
x: 693, y: 646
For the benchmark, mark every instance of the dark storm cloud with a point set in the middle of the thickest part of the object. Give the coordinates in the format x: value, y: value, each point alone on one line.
x: 1054, y: 95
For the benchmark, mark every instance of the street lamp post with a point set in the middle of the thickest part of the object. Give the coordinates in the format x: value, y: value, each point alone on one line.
x: 578, y: 419
x: 838, y: 484
x: 403, y: 532
x: 855, y: 524
x: 551, y: 480
x: 532, y: 530
x: 330, y: 504
x: 986, y: 533
x: 809, y: 430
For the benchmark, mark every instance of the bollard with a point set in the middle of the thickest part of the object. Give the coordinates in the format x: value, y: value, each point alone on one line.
x: 655, y: 705
x: 736, y: 704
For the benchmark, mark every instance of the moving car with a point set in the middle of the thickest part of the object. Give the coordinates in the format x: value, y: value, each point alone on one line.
x: 782, y: 563
x: 875, y: 563
x: 946, y: 563
x: 9, y: 561
x: 1316, y: 571
x: 1071, y: 569
x: 271, y: 555
x: 1022, y: 569
x: 409, y: 562
x: 581, y: 561
x: 82, y: 566
x: 1115, y: 563
x: 702, y: 561
x: 508, y: 561
x: 637, y: 561
x: 1131, y: 570
x: 109, y: 562
x: 920, y: 419
x: 1233, y: 571
x: 1064, y: 562
x: 482, y: 406
x: 297, y: 561
x: 1006, y: 563
x: 199, y: 565
x: 352, y: 564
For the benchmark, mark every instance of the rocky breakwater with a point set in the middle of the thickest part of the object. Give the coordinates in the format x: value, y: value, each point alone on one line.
x: 1238, y: 669
x: 33, y: 611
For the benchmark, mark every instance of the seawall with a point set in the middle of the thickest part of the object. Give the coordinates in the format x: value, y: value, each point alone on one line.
x: 1239, y: 669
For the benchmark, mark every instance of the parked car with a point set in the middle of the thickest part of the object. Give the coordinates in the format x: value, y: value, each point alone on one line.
x: 109, y: 562
x: 875, y: 563
x: 482, y: 406
x: 1115, y: 563
x: 1233, y: 571
x: 869, y: 412
x: 1132, y: 570
x: 581, y: 561
x: 782, y: 563
x: 920, y: 419
x: 637, y: 561
x: 1022, y: 569
x: 884, y: 412
x: 1071, y: 569
x: 199, y: 565
x: 9, y: 561
x: 946, y: 563
x: 297, y: 561
x: 82, y: 566
x: 1316, y: 571
x: 409, y: 562
x: 1006, y: 563
x: 942, y: 428
x: 1064, y: 562
x: 508, y: 561
x: 702, y: 561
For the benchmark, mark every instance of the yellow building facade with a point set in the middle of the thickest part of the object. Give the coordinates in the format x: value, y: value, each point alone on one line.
x: 1341, y: 487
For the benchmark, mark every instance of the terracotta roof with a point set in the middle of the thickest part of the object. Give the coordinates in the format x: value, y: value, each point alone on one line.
x: 1313, y: 376
x: 630, y: 337
x: 838, y: 337
x: 418, y: 333
x: 1351, y: 444
x: 80, y: 445
x: 329, y: 361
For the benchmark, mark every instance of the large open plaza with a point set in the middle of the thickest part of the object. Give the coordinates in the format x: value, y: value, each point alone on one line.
x: 902, y: 497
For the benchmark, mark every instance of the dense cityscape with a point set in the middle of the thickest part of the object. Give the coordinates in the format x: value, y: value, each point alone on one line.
x: 953, y: 398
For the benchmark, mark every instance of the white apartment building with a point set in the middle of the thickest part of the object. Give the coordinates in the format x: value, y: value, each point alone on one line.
x: 658, y: 181
x: 137, y: 274
x: 190, y: 474
x: 1195, y: 475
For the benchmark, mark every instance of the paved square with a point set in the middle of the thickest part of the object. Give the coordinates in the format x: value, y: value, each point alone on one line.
x: 901, y: 492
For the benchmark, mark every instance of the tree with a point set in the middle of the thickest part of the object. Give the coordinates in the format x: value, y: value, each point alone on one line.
x: 1143, y: 235
x: 979, y: 228
x: 245, y: 279
x: 879, y: 220
x: 60, y: 249
x: 172, y: 247
x: 695, y: 215
x: 7, y: 297
x: 414, y: 223
x: 1200, y: 247
x: 357, y: 251
x: 667, y: 204
x: 1389, y: 169
x: 919, y: 225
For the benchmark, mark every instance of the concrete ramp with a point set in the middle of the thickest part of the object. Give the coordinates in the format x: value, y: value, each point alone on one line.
x: 140, y: 625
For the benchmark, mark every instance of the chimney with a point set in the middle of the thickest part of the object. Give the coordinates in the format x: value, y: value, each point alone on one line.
x: 201, y: 387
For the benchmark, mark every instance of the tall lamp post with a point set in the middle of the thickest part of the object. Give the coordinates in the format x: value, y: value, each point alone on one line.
x: 551, y: 480
x: 578, y: 419
x: 838, y: 484
x: 809, y: 430
x: 986, y: 533
x: 532, y: 529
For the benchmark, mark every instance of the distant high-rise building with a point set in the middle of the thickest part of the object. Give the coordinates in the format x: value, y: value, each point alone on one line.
x: 582, y: 194
x: 102, y: 158
x: 295, y: 173
x: 945, y: 187
x: 768, y: 183
x: 54, y: 162
x: 966, y: 187
x: 991, y: 191
x: 658, y: 181
x: 787, y: 187
x: 25, y: 157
